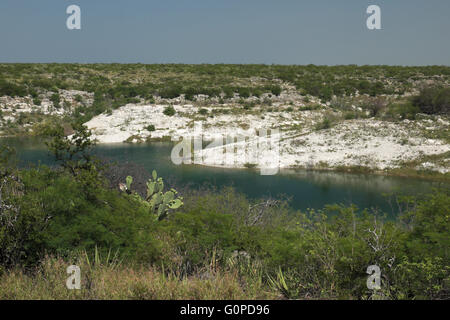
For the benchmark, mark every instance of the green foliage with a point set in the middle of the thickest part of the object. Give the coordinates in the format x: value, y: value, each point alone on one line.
x: 275, y: 89
x: 203, y: 111
x: 433, y: 100
x: 324, y: 124
x: 375, y: 106
x: 151, y: 128
x: 74, y: 220
x: 74, y: 152
x: 311, y: 107
x: 158, y: 202
x: 169, y: 111
x: 249, y: 105
x: 313, y: 254
x: 430, y: 222
x: 11, y: 89
x: 56, y: 99
x: 115, y: 85
x: 403, y: 110
x: 37, y: 101
x: 321, y: 254
x: 120, y: 82
x: 170, y: 92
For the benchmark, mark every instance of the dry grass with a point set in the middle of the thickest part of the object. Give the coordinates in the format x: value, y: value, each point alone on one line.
x: 112, y: 281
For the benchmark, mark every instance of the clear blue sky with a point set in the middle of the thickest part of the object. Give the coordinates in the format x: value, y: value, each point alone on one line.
x: 415, y: 32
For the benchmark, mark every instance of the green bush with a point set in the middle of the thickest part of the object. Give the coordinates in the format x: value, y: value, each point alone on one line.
x: 169, y: 111
x: 403, y: 110
x: 228, y: 92
x: 203, y: 111
x: 243, y: 92
x: 12, y: 89
x: 56, y: 99
x: 249, y: 105
x: 170, y: 92
x: 320, y: 254
x: 275, y: 89
x: 433, y: 100
x: 37, y: 101
x: 324, y: 124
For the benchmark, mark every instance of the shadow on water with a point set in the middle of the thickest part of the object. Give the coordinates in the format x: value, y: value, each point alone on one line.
x: 307, y: 189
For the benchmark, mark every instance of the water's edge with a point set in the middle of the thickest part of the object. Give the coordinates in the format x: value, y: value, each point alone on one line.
x: 306, y: 188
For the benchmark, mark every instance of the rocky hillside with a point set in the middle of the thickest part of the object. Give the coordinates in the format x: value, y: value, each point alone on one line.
x: 344, y: 117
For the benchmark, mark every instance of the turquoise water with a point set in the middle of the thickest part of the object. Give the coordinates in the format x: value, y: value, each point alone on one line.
x: 307, y: 189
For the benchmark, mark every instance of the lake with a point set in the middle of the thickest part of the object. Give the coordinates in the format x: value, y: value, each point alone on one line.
x: 308, y: 189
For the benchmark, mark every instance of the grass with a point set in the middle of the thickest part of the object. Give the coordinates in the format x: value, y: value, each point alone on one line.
x: 103, y: 281
x: 409, y: 168
x: 408, y: 171
x: 159, y: 139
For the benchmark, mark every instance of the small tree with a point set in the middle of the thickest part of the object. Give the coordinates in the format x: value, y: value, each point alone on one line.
x: 73, y: 152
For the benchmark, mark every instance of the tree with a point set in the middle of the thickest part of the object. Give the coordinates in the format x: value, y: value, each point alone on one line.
x: 72, y: 152
x: 19, y: 228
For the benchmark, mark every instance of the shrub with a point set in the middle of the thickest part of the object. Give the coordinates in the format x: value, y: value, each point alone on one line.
x: 228, y: 92
x: 249, y: 105
x: 433, y: 100
x: 37, y: 101
x: 375, y: 106
x: 150, y: 128
x: 203, y: 111
x: 171, y: 92
x: 244, y: 92
x: 350, y: 115
x: 324, y: 124
x: 11, y: 89
x: 311, y: 107
x: 56, y: 99
x: 403, y: 110
x: 169, y: 111
x: 274, y: 89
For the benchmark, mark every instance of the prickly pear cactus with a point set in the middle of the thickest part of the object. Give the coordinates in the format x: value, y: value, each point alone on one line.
x: 129, y: 181
x: 160, y: 204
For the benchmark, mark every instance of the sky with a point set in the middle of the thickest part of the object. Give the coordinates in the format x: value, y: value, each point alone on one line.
x: 322, y: 32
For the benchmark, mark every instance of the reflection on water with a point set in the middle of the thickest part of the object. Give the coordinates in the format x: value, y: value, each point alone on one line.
x: 308, y: 189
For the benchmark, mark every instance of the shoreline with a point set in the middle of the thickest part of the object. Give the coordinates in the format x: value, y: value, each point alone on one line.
x: 401, y: 172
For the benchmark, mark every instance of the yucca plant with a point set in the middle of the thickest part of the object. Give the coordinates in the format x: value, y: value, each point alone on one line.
x: 111, y: 261
x: 279, y: 283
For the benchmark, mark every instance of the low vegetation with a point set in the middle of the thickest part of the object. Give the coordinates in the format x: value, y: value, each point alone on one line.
x: 213, y: 244
x: 114, y: 85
